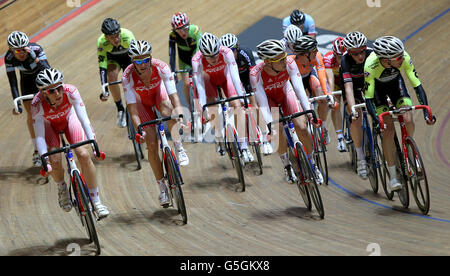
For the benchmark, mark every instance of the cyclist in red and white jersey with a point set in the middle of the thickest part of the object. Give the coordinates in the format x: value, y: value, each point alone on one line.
x: 277, y: 80
x: 58, y: 107
x: 332, y: 62
x: 146, y: 82
x: 214, y: 65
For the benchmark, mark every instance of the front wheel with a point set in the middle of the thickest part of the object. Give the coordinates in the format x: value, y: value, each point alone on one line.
x: 371, y: 158
x: 175, y: 181
x: 301, y: 183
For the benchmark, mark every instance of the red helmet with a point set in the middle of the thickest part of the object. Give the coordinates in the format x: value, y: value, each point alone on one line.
x: 179, y: 20
x: 338, y: 46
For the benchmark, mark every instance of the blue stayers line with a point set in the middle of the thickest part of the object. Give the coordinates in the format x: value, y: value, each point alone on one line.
x: 426, y: 24
x: 381, y: 205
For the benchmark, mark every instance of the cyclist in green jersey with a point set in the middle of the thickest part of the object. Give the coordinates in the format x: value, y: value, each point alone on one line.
x: 112, y: 51
x: 383, y: 79
x: 185, y: 37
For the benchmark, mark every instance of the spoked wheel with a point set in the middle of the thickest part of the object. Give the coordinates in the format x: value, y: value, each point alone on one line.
x: 313, y: 188
x: 403, y: 194
x: 236, y: 160
x: 136, y: 146
x: 257, y: 150
x: 85, y: 208
x: 417, y: 176
x: 301, y: 184
x: 320, y: 155
x: 255, y: 141
x: 383, y: 170
x: 371, y: 158
x: 175, y: 181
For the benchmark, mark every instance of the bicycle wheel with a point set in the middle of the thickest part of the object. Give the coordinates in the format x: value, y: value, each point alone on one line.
x: 320, y: 156
x: 85, y: 208
x: 136, y: 146
x: 235, y: 158
x: 417, y: 176
x: 371, y: 160
x: 174, y: 178
x: 383, y: 172
x: 255, y: 140
x: 301, y: 183
x: 403, y: 194
x: 313, y: 188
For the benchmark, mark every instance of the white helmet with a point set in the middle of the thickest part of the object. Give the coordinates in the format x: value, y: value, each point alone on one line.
x: 209, y: 44
x: 270, y: 48
x: 18, y: 40
x: 292, y: 33
x: 355, y: 40
x: 47, y: 77
x: 388, y: 46
x: 229, y: 40
x: 139, y: 48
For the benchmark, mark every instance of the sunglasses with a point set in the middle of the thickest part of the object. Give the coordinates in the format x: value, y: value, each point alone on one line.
x: 184, y: 28
x: 51, y: 91
x: 213, y: 56
x: 280, y: 59
x: 19, y: 50
x: 356, y: 53
x: 400, y: 57
x: 141, y: 61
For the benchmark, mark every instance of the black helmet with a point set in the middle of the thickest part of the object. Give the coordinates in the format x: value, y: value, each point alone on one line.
x: 110, y: 26
x: 297, y: 17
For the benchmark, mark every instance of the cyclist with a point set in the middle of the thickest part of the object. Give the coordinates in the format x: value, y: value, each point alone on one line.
x: 291, y: 34
x: 59, y: 107
x: 185, y: 37
x: 310, y: 64
x: 245, y: 62
x: 146, y: 82
x: 302, y: 20
x: 29, y: 58
x: 383, y: 79
x: 332, y: 62
x: 214, y: 65
x: 112, y: 48
x: 275, y: 81
x: 352, y: 71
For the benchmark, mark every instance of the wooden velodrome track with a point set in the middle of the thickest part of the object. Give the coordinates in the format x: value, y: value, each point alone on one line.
x: 269, y: 218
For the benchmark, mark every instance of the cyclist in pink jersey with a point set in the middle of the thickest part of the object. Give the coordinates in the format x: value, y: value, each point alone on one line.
x: 277, y: 80
x: 58, y: 107
x: 332, y: 62
x: 214, y: 65
x: 147, y: 82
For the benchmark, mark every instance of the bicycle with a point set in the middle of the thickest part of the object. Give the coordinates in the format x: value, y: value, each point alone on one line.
x: 319, y: 144
x: 301, y: 162
x: 195, y: 110
x: 79, y: 192
x: 130, y: 128
x: 346, y: 120
x: 371, y: 149
x: 254, y: 135
x: 229, y: 137
x: 172, y: 171
x: 409, y: 161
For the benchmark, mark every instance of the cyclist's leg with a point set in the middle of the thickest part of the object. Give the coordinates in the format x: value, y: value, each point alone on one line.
x: 113, y: 73
x: 186, y: 83
x: 336, y: 115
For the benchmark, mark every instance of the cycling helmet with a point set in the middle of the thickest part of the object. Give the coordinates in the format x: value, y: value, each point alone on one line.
x: 292, y: 33
x: 209, y: 44
x: 338, y: 46
x: 297, y: 17
x: 388, y: 47
x: 110, y: 26
x: 355, y: 40
x: 18, y: 40
x: 47, y: 77
x: 305, y: 43
x: 270, y: 48
x: 180, y: 19
x: 139, y: 48
x: 229, y: 40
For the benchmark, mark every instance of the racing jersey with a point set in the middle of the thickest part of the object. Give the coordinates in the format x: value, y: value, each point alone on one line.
x: 317, y: 63
x: 27, y: 67
x: 308, y: 27
x: 245, y: 61
x: 353, y: 72
x: 58, y: 116
x: 267, y: 87
x: 136, y: 91
x: 217, y: 73
x: 186, y: 47
x: 330, y: 62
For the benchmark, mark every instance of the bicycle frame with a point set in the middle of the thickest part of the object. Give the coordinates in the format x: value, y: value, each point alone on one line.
x: 365, y: 129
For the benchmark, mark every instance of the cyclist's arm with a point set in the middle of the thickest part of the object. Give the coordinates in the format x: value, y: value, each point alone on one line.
x: 286, y: 22
x: 348, y: 81
x: 330, y: 77
x: 11, y: 73
x: 320, y: 67
x: 102, y: 62
x: 197, y: 77
x: 169, y: 83
x: 80, y: 109
x: 37, y: 113
x: 261, y: 97
x: 234, y: 71
x: 411, y: 73
x: 310, y: 24
x: 369, y: 93
x: 172, y: 52
x: 297, y: 83
x: 130, y: 97
x: 197, y: 34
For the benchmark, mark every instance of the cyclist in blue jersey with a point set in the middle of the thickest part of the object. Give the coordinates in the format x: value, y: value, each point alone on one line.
x: 302, y: 20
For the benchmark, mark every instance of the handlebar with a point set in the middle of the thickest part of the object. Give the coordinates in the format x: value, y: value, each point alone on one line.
x: 67, y: 148
x: 313, y: 99
x: 293, y: 116
x: 106, y: 93
x: 222, y: 101
x: 402, y: 110
x: 21, y: 98
x: 158, y: 121
x: 354, y: 113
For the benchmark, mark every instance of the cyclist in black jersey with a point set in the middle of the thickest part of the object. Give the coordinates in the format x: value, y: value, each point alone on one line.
x: 352, y: 75
x: 30, y: 59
